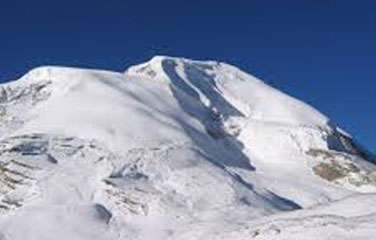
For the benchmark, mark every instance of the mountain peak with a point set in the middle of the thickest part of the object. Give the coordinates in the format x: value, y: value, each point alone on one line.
x: 155, y: 65
x: 170, y: 145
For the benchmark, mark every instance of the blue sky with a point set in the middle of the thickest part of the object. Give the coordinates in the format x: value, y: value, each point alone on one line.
x: 321, y: 51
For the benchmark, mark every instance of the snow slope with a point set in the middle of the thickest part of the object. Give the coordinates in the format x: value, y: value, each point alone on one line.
x: 174, y: 149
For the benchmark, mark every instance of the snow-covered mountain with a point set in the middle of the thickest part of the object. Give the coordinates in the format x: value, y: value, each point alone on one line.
x: 175, y: 149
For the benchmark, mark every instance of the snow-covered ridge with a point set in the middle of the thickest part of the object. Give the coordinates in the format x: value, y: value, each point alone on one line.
x: 170, y: 149
x: 255, y: 98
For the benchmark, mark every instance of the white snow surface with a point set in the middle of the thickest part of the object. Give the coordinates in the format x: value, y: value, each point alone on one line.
x: 174, y: 149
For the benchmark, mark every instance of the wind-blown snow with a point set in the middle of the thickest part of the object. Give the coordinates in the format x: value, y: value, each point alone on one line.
x: 174, y: 149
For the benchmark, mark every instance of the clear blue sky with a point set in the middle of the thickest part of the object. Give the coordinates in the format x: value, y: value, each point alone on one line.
x: 321, y: 51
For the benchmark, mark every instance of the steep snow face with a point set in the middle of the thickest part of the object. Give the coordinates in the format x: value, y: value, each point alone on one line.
x: 230, y: 90
x: 170, y: 149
